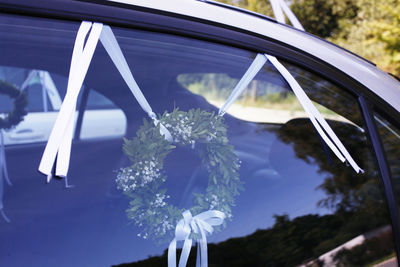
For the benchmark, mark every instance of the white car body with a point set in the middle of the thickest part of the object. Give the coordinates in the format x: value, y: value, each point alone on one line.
x: 367, y: 74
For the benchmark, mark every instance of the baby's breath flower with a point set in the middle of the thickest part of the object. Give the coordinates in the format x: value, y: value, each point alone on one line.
x: 150, y: 211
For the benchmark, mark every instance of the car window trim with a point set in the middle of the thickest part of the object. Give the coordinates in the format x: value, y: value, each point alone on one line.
x: 384, y: 170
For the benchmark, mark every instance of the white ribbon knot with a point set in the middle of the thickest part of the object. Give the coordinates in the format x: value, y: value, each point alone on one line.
x: 200, y: 224
x: 163, y: 130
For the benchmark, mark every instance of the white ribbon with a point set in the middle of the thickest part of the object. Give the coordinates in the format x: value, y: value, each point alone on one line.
x: 3, y: 173
x: 251, y: 72
x: 113, y: 49
x: 279, y: 7
x: 315, y: 116
x: 59, y: 143
x: 201, y: 224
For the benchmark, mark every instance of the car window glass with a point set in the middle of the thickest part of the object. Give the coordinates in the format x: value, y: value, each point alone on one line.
x: 40, y: 104
x: 284, y: 198
x: 100, y: 110
x: 390, y: 136
x: 262, y: 100
x: 16, y: 77
x: 98, y: 101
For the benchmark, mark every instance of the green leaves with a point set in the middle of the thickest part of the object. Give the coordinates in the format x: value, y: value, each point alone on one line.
x: 142, y: 181
x: 369, y: 28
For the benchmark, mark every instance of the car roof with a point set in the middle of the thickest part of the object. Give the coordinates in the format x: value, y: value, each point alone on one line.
x: 379, y: 82
x: 367, y: 74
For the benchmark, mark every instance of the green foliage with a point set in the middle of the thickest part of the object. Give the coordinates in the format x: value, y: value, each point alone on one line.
x: 210, y: 85
x: 373, y: 33
x: 346, y: 192
x: 388, y: 31
x: 142, y: 181
x: 369, y: 28
x: 217, y: 87
x: 322, y: 17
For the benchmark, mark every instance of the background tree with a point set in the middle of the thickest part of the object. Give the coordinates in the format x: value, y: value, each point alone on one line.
x: 373, y: 33
x: 323, y: 17
x: 369, y: 28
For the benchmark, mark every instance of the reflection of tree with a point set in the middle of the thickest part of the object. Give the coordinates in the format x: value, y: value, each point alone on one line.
x: 211, y: 85
x: 367, y: 252
x: 11, y: 119
x: 351, y: 195
x: 355, y: 198
x: 287, y: 243
x: 327, y: 94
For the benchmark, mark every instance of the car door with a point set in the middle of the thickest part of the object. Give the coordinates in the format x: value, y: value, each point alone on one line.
x: 297, y: 204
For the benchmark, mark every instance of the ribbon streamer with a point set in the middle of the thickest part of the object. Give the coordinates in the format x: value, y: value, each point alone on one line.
x: 201, y: 224
x: 315, y: 116
x: 59, y: 143
x: 251, y: 72
x: 279, y: 7
x: 113, y: 49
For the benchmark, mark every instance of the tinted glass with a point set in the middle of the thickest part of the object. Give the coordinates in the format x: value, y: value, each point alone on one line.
x: 390, y: 136
x: 287, y: 200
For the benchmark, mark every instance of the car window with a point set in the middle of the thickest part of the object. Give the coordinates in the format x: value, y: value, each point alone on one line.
x: 277, y: 195
x: 42, y: 99
x: 267, y: 100
x: 98, y: 101
x: 17, y: 76
x: 100, y: 110
x: 390, y: 136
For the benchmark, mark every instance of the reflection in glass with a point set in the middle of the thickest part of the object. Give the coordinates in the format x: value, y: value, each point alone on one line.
x: 390, y: 136
x: 8, y: 120
x: 298, y: 203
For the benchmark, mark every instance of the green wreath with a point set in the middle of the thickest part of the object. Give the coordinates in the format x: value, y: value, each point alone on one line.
x: 142, y: 181
x: 20, y: 102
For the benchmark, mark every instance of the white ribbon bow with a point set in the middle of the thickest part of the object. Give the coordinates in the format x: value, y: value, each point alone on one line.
x: 200, y: 224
